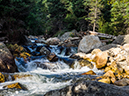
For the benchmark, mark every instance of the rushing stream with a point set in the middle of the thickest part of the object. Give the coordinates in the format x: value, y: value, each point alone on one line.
x: 57, y: 75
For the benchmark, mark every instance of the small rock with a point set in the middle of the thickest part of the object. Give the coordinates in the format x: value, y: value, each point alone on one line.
x: 52, y: 57
x: 107, y: 80
x: 87, y: 63
x: 109, y: 74
x: 2, y: 78
x: 15, y: 85
x: 95, y: 51
x: 53, y: 41
x: 44, y: 51
x: 89, y: 73
x: 122, y: 82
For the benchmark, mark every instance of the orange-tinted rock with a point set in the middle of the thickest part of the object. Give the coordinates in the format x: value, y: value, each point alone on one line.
x: 2, y: 78
x: 89, y: 73
x: 107, y: 80
x: 15, y: 85
x: 109, y: 74
x: 101, y: 59
x: 95, y: 51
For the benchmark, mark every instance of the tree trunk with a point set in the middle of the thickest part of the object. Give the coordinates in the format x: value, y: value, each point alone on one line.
x: 95, y: 15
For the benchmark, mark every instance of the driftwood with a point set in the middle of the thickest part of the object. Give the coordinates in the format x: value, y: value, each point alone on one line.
x: 102, y: 35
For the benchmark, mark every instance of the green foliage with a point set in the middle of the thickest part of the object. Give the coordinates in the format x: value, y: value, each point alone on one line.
x: 53, y: 16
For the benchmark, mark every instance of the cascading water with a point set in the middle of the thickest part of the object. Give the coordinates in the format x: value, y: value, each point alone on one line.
x: 45, y: 75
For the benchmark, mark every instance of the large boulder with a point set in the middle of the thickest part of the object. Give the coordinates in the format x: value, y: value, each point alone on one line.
x: 90, y: 88
x: 7, y: 63
x: 88, y: 43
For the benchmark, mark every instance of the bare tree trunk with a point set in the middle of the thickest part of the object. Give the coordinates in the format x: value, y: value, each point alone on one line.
x: 95, y: 15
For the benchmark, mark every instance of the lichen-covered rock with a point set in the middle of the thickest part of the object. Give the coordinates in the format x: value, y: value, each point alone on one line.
x: 7, y: 63
x: 2, y: 78
x: 16, y: 85
x: 105, y: 80
x: 88, y: 43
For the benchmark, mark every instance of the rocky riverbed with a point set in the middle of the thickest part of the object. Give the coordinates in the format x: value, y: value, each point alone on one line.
x: 65, y: 66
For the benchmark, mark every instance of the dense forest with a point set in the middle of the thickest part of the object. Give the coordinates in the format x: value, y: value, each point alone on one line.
x: 53, y: 17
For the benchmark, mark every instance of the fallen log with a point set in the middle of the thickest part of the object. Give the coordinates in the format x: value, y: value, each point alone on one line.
x: 102, y: 35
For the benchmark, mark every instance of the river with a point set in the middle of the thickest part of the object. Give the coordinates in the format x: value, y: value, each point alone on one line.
x: 40, y: 81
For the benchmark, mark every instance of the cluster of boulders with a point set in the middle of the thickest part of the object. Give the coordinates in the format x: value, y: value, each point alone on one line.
x: 113, y: 59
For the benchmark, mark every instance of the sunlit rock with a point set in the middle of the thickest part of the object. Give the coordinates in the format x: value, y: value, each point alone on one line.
x: 113, y: 52
x: 101, y: 59
x: 88, y: 43
x: 15, y: 85
x: 18, y: 76
x: 127, y: 69
x: 107, y: 80
x: 89, y: 73
x: 95, y: 51
x: 109, y: 74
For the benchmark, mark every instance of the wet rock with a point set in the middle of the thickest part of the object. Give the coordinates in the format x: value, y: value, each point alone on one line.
x: 52, y: 57
x: 89, y: 73
x: 7, y: 63
x: 90, y: 88
x: 2, y: 78
x: 88, y: 43
x: 44, y: 51
x: 101, y: 59
x: 16, y: 86
x: 53, y: 41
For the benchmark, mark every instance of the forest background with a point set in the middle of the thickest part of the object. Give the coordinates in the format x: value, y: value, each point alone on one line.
x: 54, y: 17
